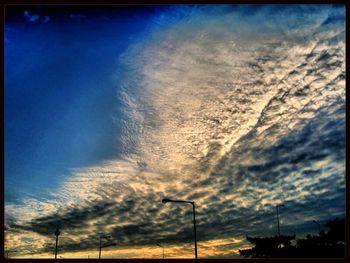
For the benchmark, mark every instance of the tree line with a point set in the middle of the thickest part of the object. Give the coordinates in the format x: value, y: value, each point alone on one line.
x: 329, y: 244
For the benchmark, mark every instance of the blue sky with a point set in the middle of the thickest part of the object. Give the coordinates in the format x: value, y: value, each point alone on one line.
x: 62, y: 79
x: 109, y: 110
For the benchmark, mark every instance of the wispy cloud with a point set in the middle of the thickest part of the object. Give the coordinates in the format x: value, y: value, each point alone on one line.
x: 32, y: 18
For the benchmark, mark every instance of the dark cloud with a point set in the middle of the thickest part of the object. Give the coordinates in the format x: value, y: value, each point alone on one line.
x: 75, y: 218
x: 321, y: 139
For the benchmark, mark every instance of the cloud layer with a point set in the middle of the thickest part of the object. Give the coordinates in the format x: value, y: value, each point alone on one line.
x: 238, y: 108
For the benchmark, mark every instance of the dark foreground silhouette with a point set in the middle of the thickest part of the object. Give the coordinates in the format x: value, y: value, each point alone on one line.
x: 325, y: 245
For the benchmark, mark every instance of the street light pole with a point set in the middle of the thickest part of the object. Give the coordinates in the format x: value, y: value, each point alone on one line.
x: 162, y: 246
x: 99, y: 251
x: 278, y: 219
x: 8, y: 251
x: 194, y: 220
x: 57, y: 233
x: 318, y: 225
x: 195, y: 231
x: 100, y: 245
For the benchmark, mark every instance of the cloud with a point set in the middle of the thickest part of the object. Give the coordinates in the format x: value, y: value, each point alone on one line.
x: 232, y: 110
x: 33, y: 18
x: 30, y: 18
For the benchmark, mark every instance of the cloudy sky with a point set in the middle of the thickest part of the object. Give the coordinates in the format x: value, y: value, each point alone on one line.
x: 109, y: 110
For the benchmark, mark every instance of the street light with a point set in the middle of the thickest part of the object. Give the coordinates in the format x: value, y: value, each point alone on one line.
x: 165, y: 200
x: 57, y: 233
x: 278, y: 219
x: 159, y: 245
x: 107, y: 245
x: 100, y: 245
x: 318, y: 225
x: 10, y: 251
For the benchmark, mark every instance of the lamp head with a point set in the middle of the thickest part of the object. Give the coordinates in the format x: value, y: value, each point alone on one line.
x: 57, y: 232
x: 105, y: 236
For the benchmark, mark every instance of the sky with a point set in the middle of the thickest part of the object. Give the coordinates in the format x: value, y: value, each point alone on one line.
x: 108, y: 110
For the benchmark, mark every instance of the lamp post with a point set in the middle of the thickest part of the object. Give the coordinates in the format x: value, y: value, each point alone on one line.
x: 159, y: 245
x: 10, y: 251
x: 107, y: 245
x: 278, y: 219
x: 194, y: 219
x: 318, y: 225
x: 57, y: 233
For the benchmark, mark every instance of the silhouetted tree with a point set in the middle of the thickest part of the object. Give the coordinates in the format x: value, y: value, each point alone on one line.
x: 336, y: 233
x: 269, y: 247
x: 330, y: 244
